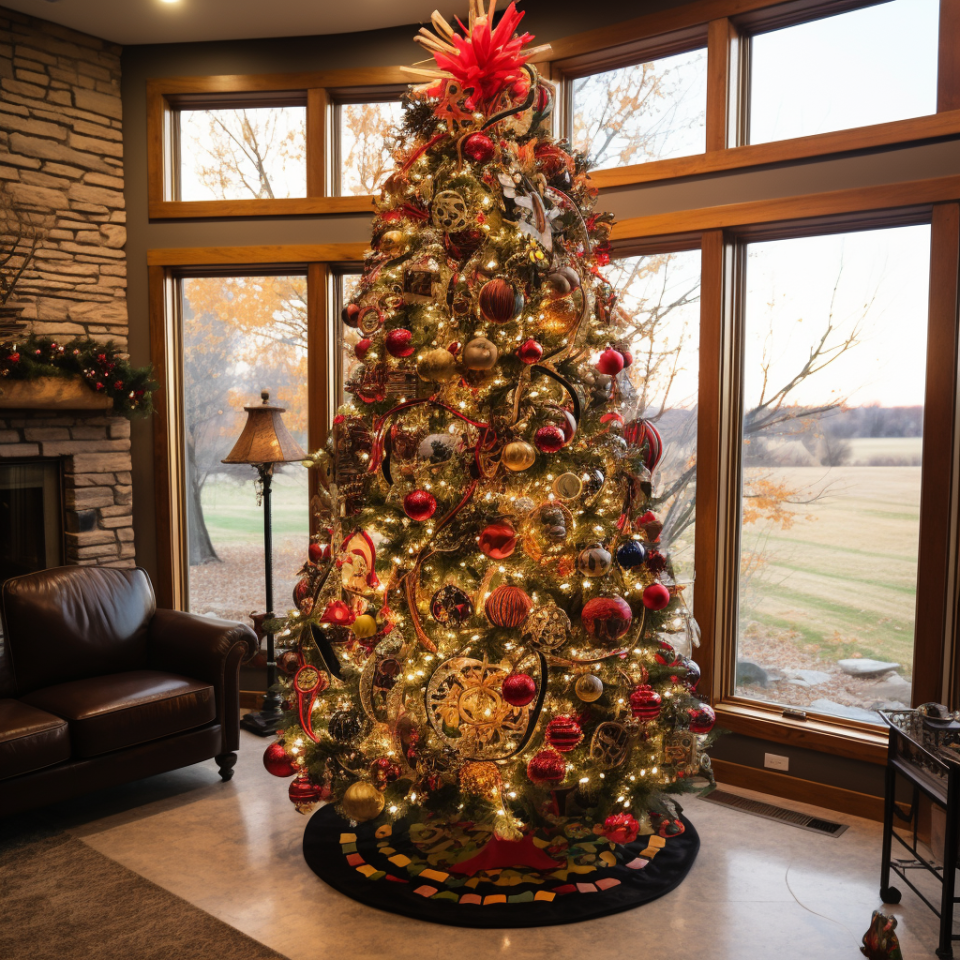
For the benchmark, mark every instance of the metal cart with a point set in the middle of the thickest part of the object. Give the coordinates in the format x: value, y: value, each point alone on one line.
x: 925, y: 751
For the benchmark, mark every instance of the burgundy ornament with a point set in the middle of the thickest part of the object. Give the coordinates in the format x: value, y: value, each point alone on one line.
x: 621, y: 827
x: 302, y: 590
x: 508, y: 606
x: 547, y: 766
x: 606, y: 618
x: 692, y: 676
x: 350, y: 314
x: 277, y: 762
x: 610, y: 362
x: 518, y: 689
x: 500, y: 301
x: 529, y: 352
x: 656, y: 596
x: 305, y: 794
x: 478, y: 147
x: 318, y: 551
x: 549, y: 439
x: 383, y: 770
x: 498, y: 540
x: 563, y: 733
x: 645, y: 703
x: 419, y: 505
x: 288, y: 662
x: 362, y: 348
x: 702, y: 718
x: 399, y: 343
x: 665, y: 654
x: 640, y: 433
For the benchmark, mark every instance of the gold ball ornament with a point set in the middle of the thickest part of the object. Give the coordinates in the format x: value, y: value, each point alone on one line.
x: 567, y: 486
x: 588, y: 688
x: 362, y: 801
x: 364, y: 625
x: 438, y: 365
x: 480, y: 354
x: 393, y: 243
x: 480, y: 778
x: 519, y: 455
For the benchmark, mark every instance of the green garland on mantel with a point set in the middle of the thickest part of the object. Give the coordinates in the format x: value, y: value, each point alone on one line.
x: 99, y: 365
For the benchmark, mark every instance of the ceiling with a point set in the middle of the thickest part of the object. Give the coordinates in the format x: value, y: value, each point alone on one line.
x: 154, y: 21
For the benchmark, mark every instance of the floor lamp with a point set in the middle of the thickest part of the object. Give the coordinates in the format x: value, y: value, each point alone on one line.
x: 265, y: 442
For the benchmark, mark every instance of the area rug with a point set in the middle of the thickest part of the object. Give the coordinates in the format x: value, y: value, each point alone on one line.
x: 62, y: 900
x: 413, y: 869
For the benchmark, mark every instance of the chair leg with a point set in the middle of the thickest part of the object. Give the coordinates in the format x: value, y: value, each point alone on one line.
x: 226, y: 762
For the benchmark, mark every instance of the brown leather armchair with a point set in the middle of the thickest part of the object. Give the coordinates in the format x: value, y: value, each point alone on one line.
x: 99, y: 687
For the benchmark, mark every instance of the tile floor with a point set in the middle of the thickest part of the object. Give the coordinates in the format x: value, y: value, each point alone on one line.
x: 759, y: 889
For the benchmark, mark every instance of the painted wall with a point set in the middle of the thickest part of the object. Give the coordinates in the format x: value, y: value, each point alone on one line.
x: 389, y: 47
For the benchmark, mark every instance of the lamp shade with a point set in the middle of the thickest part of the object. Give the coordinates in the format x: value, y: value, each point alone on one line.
x: 264, y: 438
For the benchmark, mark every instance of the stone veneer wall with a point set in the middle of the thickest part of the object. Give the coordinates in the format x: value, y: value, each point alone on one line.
x: 61, y: 164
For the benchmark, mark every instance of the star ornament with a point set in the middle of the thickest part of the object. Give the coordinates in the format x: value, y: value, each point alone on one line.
x: 483, y: 61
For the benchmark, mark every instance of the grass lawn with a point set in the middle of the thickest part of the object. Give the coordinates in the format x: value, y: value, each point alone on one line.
x: 842, y: 579
x: 232, y: 515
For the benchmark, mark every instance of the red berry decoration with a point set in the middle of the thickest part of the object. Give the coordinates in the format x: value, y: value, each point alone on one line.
x: 500, y: 301
x: 549, y: 439
x: 606, y: 618
x: 621, y: 828
x: 508, y: 606
x: 702, y: 718
x: 529, y: 352
x: 478, y: 147
x: 399, y: 343
x: 610, y: 362
x: 277, y: 762
x: 362, y: 348
x: 518, y: 689
x: 645, y: 703
x: 383, y: 770
x: 563, y: 733
x: 419, y: 505
x: 656, y: 596
x: 547, y: 766
x: 498, y: 540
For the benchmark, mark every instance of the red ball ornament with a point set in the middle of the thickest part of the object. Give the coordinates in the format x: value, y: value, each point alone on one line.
x: 656, y: 596
x: 529, y: 352
x: 478, y: 147
x: 642, y: 433
x: 508, y: 606
x: 498, y: 540
x: 277, y: 762
x: 518, y: 689
x: 610, y: 362
x: 606, y: 618
x: 665, y: 654
x: 399, y: 343
x: 702, y: 718
x: 500, y: 301
x: 316, y: 551
x: 305, y: 794
x: 627, y: 357
x: 549, y: 439
x: 362, y: 348
x: 350, y: 314
x: 621, y: 828
x: 383, y: 770
x: 547, y: 766
x: 419, y: 505
x: 338, y: 613
x: 645, y: 703
x: 454, y: 348
x: 564, y: 734
x: 302, y: 590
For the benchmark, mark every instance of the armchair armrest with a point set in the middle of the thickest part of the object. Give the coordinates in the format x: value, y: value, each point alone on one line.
x: 205, y: 649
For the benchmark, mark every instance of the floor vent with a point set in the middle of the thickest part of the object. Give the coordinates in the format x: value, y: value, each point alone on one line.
x: 770, y: 812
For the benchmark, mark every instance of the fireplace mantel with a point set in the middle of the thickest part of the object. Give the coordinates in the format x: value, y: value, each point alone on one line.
x: 51, y: 393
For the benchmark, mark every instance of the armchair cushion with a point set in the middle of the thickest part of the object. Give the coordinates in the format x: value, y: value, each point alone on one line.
x: 30, y: 739
x: 124, y: 709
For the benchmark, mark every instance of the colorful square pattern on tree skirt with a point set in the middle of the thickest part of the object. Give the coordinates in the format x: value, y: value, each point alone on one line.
x: 409, y: 869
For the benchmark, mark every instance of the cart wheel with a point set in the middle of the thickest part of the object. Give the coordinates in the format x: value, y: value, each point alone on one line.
x: 890, y: 895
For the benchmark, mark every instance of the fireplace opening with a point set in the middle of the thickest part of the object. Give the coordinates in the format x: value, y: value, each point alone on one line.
x: 31, y: 516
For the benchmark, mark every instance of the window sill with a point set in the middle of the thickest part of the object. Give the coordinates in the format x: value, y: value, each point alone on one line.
x: 842, y: 738
x: 287, y: 207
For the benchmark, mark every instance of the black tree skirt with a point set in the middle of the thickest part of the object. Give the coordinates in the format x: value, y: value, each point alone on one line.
x: 412, y: 869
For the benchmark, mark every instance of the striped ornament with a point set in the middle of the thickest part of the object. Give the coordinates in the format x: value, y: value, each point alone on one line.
x: 564, y: 734
x: 645, y: 703
x: 508, y: 606
x: 640, y: 433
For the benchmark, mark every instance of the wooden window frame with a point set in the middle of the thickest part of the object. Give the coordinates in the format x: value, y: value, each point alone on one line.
x: 166, y: 350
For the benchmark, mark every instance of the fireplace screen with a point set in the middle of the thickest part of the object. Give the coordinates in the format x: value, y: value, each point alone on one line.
x: 31, y: 516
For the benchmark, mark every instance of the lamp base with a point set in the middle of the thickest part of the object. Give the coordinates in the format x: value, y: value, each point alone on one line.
x: 263, y: 724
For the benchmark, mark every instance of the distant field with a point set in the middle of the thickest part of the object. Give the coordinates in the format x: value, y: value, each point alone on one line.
x: 864, y: 449
x: 843, y: 577
x: 232, y: 515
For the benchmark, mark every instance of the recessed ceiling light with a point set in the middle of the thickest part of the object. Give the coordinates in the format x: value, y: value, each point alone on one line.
x: 170, y: 1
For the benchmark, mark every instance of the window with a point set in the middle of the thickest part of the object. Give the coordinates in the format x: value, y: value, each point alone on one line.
x: 647, y: 111
x: 862, y: 67
x: 347, y: 286
x: 364, y: 156
x: 834, y: 353
x: 244, y: 153
x: 241, y: 334
x: 660, y: 293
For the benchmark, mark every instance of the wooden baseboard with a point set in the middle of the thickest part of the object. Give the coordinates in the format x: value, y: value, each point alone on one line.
x: 251, y: 699
x: 803, y: 791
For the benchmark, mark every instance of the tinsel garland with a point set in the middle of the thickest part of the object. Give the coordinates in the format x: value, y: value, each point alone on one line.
x: 100, y: 365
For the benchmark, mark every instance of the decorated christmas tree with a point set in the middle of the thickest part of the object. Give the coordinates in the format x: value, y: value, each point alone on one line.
x: 489, y: 631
